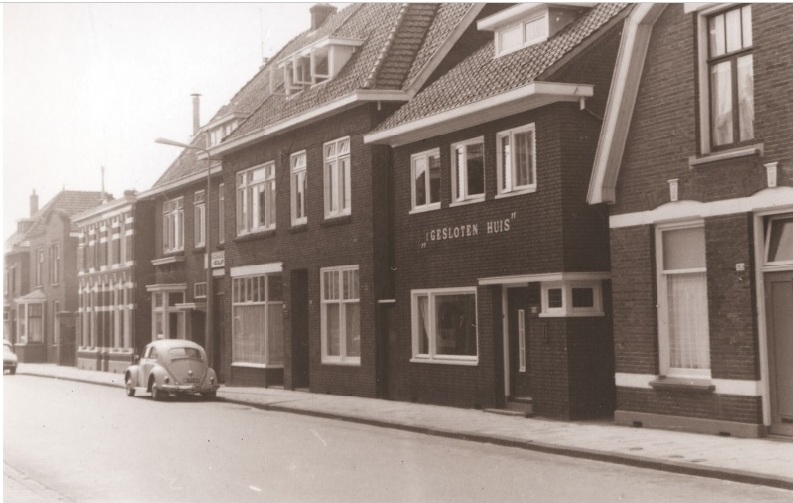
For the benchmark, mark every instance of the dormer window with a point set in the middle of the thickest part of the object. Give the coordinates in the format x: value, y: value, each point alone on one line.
x: 316, y: 63
x: 527, y: 24
x: 221, y: 130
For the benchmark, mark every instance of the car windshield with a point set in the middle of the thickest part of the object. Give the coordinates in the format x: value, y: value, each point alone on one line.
x: 184, y: 353
x: 7, y: 348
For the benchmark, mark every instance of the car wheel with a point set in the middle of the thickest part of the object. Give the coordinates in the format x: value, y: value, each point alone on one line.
x: 130, y: 387
x: 156, y: 394
x: 210, y: 395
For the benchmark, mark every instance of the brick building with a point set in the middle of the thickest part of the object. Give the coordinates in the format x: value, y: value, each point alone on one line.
x: 695, y: 162
x: 45, y: 315
x: 309, y: 223
x: 16, y: 269
x: 502, y: 297
x: 113, y: 259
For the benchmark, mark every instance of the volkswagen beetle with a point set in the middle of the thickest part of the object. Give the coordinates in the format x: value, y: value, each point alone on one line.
x: 171, y: 367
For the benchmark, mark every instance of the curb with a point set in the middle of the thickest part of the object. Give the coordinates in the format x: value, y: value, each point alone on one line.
x: 741, y: 476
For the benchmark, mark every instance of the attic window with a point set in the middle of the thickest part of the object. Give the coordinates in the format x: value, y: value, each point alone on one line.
x: 525, y: 25
x: 316, y: 63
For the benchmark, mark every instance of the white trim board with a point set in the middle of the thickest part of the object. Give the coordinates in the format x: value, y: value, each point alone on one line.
x: 252, y: 270
x: 735, y: 387
x: 766, y: 199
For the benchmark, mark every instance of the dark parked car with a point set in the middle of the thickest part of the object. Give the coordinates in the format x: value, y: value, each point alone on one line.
x: 171, y: 367
x: 9, y: 358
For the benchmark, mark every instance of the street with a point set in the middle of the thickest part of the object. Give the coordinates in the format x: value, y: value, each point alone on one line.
x: 79, y: 442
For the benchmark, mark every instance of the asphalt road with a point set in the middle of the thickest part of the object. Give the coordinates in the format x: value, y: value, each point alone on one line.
x: 85, y: 443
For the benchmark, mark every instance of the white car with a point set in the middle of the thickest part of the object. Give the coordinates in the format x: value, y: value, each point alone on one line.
x: 9, y: 358
x: 171, y: 367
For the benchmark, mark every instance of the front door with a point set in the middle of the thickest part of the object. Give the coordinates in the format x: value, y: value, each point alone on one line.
x: 518, y: 300
x: 779, y: 321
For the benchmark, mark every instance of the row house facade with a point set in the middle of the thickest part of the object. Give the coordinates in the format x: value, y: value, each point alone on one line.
x: 45, y: 316
x: 112, y: 260
x: 16, y: 269
x: 502, y: 296
x: 696, y: 168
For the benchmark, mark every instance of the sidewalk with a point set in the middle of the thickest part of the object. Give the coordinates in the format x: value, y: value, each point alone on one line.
x: 755, y: 461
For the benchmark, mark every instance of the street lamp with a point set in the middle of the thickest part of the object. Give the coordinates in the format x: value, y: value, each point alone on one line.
x: 208, y: 342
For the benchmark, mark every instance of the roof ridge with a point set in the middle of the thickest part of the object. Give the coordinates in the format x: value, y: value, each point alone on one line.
x: 370, y: 80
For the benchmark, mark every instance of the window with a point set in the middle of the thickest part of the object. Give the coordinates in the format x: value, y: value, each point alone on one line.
x: 468, y: 170
x: 444, y: 325
x: 516, y: 160
x: 104, y: 247
x: 684, y: 347
x: 200, y: 290
x: 173, y: 225
x: 221, y: 213
x: 30, y: 318
x: 40, y: 267
x: 55, y: 263
x: 727, y: 74
x: 115, y: 243
x: 523, y: 34
x: 257, y: 325
x: 779, y: 241
x: 522, y: 340
x: 256, y: 199
x: 341, y: 315
x: 337, y: 177
x: 129, y: 250
x: 316, y: 63
x: 199, y: 219
x: 425, y: 169
x: 168, y: 321
x: 571, y: 298
x: 298, y: 163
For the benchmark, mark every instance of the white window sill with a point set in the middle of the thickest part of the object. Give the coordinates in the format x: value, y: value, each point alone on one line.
x: 519, y: 192
x: 424, y: 209
x: 339, y: 215
x: 573, y: 314
x: 723, y: 155
x: 446, y: 361
x: 342, y: 363
x: 467, y: 201
x: 174, y: 259
x: 257, y: 365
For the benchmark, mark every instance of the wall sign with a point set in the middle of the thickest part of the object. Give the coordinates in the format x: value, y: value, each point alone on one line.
x: 467, y: 230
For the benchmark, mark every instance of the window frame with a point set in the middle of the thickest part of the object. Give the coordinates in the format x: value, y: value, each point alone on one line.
x: 426, y: 155
x: 40, y: 267
x: 514, y: 189
x: 242, y: 296
x: 221, y: 213
x: 567, y: 310
x: 664, y: 344
x: 166, y: 309
x: 173, y: 211
x: 331, y: 165
x: 521, y: 25
x: 294, y: 171
x: 247, y: 221
x: 705, y: 63
x: 767, y: 264
x: 432, y: 355
x: 199, y: 218
x: 343, y: 358
x: 467, y: 198
x: 55, y: 263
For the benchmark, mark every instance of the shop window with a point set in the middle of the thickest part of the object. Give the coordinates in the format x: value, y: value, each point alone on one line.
x: 173, y: 225
x: 257, y: 324
x: 683, y: 331
x: 337, y: 177
x: 425, y: 169
x: 571, y: 298
x: 256, y: 199
x: 341, y: 315
x: 168, y: 321
x: 468, y: 170
x: 297, y: 161
x: 516, y: 160
x: 445, y: 325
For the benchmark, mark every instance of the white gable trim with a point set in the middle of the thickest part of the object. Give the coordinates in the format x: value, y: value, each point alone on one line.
x: 621, y: 101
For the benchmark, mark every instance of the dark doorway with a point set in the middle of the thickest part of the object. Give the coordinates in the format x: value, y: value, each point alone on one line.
x: 518, y: 329
x: 299, y: 317
x: 218, y: 325
x: 386, y: 341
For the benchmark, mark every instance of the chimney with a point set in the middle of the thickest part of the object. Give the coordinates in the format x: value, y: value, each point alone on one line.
x: 319, y: 13
x: 196, y: 113
x: 34, y: 203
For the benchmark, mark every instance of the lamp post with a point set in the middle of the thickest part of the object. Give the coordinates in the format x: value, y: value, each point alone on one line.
x: 208, y: 342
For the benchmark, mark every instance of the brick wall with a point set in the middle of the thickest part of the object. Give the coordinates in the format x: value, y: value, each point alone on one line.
x: 742, y: 409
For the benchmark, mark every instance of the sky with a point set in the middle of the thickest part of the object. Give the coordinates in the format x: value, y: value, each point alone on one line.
x: 92, y: 85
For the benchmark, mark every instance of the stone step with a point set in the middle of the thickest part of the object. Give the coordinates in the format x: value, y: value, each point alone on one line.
x: 515, y: 406
x: 506, y: 412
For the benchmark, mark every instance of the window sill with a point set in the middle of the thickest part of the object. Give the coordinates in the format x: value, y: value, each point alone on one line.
x: 295, y: 229
x: 723, y: 155
x: 253, y: 236
x: 444, y: 361
x: 200, y: 250
x: 424, y: 209
x: 514, y: 193
x: 467, y: 201
x: 221, y: 246
x: 692, y: 385
x: 346, y: 363
x: 340, y: 220
x: 173, y: 259
x: 257, y: 365
x: 580, y: 314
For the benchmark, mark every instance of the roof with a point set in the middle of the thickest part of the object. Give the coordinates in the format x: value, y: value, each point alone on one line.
x: 481, y: 75
x: 399, y: 42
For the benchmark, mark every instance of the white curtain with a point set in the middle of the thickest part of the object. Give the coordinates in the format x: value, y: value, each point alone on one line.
x: 689, y: 345
x: 424, y: 324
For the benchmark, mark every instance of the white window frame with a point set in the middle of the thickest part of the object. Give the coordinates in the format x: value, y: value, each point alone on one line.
x: 567, y: 309
x: 200, y: 290
x: 297, y: 165
x: 221, y: 213
x: 199, y: 218
x: 542, y: 17
x: 55, y: 263
x: 343, y: 358
x: 456, y: 170
x: 242, y: 295
x: 432, y: 356
x: 165, y: 310
x: 522, y: 340
x: 664, y: 356
x: 247, y: 193
x: 507, y: 185
x: 173, y: 220
x: 426, y: 155
x: 333, y: 173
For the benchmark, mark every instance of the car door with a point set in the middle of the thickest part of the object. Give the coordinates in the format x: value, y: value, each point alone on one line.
x: 145, y: 365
